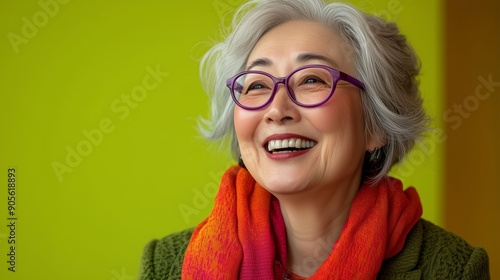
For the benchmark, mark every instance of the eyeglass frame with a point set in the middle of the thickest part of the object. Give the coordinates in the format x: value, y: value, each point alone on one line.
x: 336, y: 75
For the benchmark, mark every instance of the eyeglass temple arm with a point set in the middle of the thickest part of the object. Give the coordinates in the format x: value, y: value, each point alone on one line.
x: 237, y: 86
x: 352, y: 80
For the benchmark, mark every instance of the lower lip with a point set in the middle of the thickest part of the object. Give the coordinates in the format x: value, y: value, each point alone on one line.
x: 284, y: 156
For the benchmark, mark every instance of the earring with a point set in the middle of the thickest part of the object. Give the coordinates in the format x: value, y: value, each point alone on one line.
x: 374, y: 161
x: 241, y: 163
x: 375, y: 156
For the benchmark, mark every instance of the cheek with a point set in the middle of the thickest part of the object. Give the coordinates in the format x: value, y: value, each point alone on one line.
x: 342, y: 117
x: 343, y: 141
x: 245, y: 124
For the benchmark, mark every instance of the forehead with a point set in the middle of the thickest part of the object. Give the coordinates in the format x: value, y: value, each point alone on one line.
x: 284, y: 43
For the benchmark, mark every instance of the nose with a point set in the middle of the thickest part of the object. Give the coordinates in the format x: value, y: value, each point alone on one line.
x: 282, y: 109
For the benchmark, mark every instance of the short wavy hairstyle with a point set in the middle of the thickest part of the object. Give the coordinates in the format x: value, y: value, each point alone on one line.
x: 382, y: 58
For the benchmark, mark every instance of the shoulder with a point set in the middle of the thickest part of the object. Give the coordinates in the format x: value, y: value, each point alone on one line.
x: 431, y: 252
x: 447, y: 256
x: 162, y: 258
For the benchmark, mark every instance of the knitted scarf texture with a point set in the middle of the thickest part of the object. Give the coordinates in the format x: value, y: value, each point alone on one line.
x: 245, y: 237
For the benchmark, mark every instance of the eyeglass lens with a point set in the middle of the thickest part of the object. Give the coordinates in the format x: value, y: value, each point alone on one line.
x: 307, y: 86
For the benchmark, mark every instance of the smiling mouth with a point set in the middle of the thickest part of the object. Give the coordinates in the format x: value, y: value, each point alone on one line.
x: 289, y: 145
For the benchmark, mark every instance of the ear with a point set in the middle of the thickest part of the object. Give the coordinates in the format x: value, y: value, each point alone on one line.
x: 374, y: 141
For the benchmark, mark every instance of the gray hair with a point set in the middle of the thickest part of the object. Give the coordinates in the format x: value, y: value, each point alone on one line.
x: 382, y: 57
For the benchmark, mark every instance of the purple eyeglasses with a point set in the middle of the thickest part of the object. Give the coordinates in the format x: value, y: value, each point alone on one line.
x: 307, y: 86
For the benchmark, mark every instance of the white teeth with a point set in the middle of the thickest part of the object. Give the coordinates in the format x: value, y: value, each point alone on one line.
x: 284, y: 144
x: 289, y: 143
x: 298, y: 143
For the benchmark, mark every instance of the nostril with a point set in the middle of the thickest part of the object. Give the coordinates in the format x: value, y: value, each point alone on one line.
x: 280, y: 120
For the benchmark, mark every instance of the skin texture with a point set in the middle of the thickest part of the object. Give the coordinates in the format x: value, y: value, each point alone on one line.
x: 315, y: 189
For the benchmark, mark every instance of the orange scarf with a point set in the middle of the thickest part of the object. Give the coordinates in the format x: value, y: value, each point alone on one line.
x: 244, y: 237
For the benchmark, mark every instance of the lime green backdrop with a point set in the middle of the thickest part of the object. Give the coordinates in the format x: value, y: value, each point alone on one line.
x: 99, y: 102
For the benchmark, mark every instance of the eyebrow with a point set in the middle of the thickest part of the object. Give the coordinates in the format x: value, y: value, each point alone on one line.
x: 306, y: 57
x: 302, y: 58
x: 259, y: 62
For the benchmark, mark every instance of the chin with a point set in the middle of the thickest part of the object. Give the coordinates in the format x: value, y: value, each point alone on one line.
x: 282, y: 184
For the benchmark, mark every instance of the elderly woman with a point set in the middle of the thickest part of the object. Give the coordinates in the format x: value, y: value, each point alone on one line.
x: 319, y: 101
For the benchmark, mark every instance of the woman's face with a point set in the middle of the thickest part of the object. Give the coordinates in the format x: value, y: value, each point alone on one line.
x: 335, y: 129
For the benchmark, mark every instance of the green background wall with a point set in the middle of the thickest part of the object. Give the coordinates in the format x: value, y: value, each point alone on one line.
x: 98, y: 109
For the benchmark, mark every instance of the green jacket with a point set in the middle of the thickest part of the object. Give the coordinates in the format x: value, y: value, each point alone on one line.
x: 429, y: 253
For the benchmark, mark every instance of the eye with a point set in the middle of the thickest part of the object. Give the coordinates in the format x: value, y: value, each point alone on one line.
x: 313, y: 80
x: 252, y: 88
x: 255, y: 86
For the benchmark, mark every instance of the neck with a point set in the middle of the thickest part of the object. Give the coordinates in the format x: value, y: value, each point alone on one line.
x: 314, y: 221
